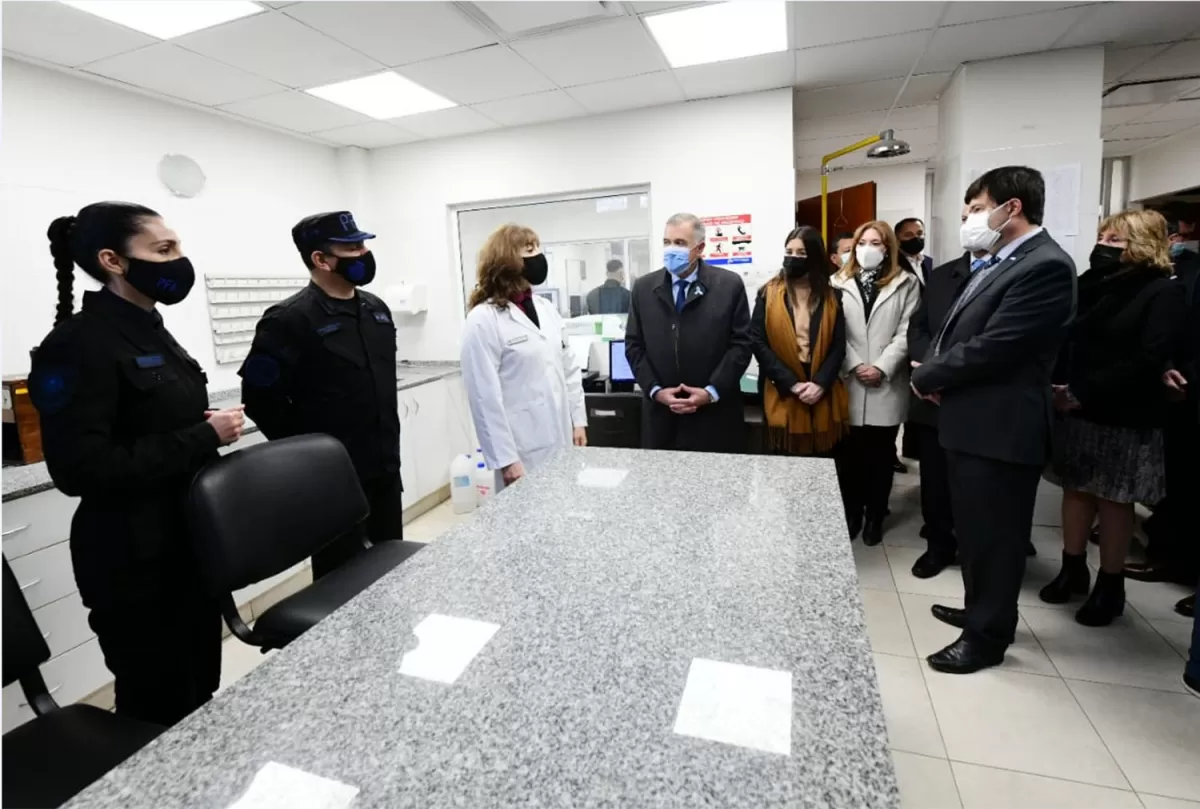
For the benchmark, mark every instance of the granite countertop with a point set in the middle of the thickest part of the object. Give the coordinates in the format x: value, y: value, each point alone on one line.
x: 21, y: 481
x: 603, y: 597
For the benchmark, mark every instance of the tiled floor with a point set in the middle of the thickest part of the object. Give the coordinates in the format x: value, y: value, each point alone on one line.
x: 1076, y: 718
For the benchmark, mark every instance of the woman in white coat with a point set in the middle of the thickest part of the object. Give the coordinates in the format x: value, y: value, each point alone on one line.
x: 523, y: 384
x: 878, y: 298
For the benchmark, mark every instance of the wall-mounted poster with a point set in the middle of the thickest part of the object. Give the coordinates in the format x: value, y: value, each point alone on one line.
x: 727, y: 239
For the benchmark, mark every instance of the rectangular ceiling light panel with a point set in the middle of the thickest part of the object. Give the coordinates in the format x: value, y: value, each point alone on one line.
x: 383, y: 96
x: 167, y: 19
x: 720, y: 32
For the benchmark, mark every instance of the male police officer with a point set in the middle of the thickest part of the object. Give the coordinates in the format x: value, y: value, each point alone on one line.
x: 324, y: 361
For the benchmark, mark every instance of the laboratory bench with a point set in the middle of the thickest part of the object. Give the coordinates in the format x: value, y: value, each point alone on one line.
x: 620, y: 628
x: 434, y: 424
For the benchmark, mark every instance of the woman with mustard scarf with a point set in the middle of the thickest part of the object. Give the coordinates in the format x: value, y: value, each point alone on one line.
x: 799, y: 335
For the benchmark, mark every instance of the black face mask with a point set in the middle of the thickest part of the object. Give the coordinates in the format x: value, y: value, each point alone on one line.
x: 358, y: 270
x: 536, y: 269
x: 912, y: 246
x: 1105, y: 258
x: 165, y: 282
x: 795, y: 266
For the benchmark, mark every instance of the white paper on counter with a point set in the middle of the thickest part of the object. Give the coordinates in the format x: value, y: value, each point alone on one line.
x: 599, y: 478
x: 277, y: 786
x: 447, y: 647
x: 735, y: 704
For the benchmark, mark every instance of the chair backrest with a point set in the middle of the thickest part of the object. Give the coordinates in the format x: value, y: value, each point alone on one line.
x: 24, y: 647
x: 258, y: 511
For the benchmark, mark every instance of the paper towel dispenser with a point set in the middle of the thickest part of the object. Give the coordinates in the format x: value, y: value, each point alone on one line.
x: 406, y: 299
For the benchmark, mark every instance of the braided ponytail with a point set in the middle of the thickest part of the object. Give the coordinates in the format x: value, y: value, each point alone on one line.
x: 79, y: 239
x: 60, y: 247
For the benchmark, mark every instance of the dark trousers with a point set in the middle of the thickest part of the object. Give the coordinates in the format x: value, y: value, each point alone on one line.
x: 993, y: 512
x: 385, y: 522
x: 864, y: 468
x: 163, y: 651
x: 935, y: 491
x: 1176, y: 540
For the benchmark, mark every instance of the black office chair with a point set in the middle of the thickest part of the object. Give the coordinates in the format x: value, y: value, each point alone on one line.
x: 53, y: 756
x: 261, y: 510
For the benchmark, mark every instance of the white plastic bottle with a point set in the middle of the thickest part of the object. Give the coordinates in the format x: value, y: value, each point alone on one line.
x: 485, y: 483
x: 462, y: 484
x: 478, y: 457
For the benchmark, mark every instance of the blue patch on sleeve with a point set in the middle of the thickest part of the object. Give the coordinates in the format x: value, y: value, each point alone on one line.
x: 150, y: 361
x: 382, y: 317
x: 261, y: 370
x: 52, y: 388
x: 330, y: 329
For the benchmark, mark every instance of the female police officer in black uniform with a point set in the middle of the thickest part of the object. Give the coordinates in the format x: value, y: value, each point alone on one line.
x: 125, y: 426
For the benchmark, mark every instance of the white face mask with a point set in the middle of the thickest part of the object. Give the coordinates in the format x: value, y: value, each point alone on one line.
x: 845, y: 257
x: 976, y: 235
x: 869, y: 257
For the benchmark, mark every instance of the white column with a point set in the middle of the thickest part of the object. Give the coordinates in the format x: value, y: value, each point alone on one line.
x: 1040, y: 110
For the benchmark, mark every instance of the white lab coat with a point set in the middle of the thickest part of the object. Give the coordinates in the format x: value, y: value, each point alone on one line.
x: 524, y: 386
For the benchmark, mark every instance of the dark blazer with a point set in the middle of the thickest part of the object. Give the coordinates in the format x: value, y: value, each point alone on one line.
x: 997, y: 354
x: 1187, y: 352
x: 942, y: 285
x: 610, y: 298
x: 926, y: 268
x: 1125, y: 332
x: 772, y: 368
x: 708, y: 343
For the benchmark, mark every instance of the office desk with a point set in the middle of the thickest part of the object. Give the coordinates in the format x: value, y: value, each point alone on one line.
x: 603, y: 598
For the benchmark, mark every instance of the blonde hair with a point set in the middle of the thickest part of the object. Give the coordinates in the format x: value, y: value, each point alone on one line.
x: 499, y: 274
x: 1145, y: 235
x: 891, y: 254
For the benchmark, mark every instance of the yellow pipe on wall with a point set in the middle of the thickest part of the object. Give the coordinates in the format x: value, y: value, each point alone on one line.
x: 854, y: 147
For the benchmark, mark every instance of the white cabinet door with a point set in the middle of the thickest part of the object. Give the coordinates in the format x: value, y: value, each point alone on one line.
x: 408, y: 456
x: 430, y: 446
x: 460, y: 429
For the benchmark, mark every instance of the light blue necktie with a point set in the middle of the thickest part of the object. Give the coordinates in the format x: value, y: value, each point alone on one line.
x: 981, y: 268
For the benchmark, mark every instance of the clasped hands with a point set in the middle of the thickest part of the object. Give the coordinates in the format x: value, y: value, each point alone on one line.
x: 808, y: 392
x: 869, y: 375
x: 683, y: 399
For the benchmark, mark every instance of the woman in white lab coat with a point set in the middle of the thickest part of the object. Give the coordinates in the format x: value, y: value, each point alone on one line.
x: 523, y: 383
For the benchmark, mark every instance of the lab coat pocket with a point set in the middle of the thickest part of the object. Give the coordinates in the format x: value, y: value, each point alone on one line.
x: 532, y: 429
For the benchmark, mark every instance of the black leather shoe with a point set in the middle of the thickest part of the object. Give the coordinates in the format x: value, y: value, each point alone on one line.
x: 1186, y: 607
x: 1106, y: 602
x: 955, y: 616
x: 873, y: 533
x: 965, y: 656
x: 855, y: 524
x: 1073, y: 579
x: 929, y: 565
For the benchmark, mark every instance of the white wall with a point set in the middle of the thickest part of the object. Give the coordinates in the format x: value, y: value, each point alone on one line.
x: 723, y: 156
x: 1171, y: 166
x: 68, y: 142
x: 899, y: 189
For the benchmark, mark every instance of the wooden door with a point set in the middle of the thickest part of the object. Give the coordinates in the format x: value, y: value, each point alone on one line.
x: 848, y: 208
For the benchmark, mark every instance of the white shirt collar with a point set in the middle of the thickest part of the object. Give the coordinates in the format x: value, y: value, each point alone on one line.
x: 1007, y: 250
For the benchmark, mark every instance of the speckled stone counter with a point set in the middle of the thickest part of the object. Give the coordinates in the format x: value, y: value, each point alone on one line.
x: 604, y: 596
x: 20, y: 481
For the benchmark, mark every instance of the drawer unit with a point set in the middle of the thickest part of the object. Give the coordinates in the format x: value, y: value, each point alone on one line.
x: 37, y: 521
x: 69, y: 677
x: 64, y: 624
x: 44, y: 575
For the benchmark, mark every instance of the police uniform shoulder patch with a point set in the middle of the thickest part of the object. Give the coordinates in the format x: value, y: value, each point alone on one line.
x: 52, y: 387
x: 260, y: 370
x: 383, y: 317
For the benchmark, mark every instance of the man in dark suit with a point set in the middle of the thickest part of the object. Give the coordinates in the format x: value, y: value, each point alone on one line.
x: 989, y: 369
x: 688, y: 341
x: 911, y: 235
x: 611, y: 297
x: 942, y: 286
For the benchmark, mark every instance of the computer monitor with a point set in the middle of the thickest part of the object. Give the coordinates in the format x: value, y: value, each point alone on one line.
x: 618, y: 365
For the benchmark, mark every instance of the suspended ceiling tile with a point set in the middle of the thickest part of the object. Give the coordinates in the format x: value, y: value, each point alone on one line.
x: 1132, y: 23
x: 993, y: 39
x: 1177, y: 111
x: 747, y: 75
x: 168, y: 69
x: 297, y: 111
x: 1111, y: 117
x: 516, y: 17
x: 1141, y: 129
x: 64, y: 35
x: 826, y: 23
x: 1180, y: 59
x: 851, y: 98
x: 484, y: 74
x: 612, y: 49
x: 830, y: 65
x: 446, y: 123
x: 648, y: 90
x: 395, y: 33
x: 374, y: 135
x: 1122, y: 148
x: 1120, y: 61
x: 281, y: 49
x: 924, y: 88
x: 554, y: 105
x: 958, y: 13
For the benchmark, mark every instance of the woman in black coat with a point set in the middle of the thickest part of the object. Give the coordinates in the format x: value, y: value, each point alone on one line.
x: 798, y: 331
x: 125, y: 426
x: 1113, y: 405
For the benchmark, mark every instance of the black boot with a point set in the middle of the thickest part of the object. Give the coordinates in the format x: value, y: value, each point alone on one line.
x: 1072, y: 580
x: 855, y: 523
x: 873, y: 532
x: 1106, y: 602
